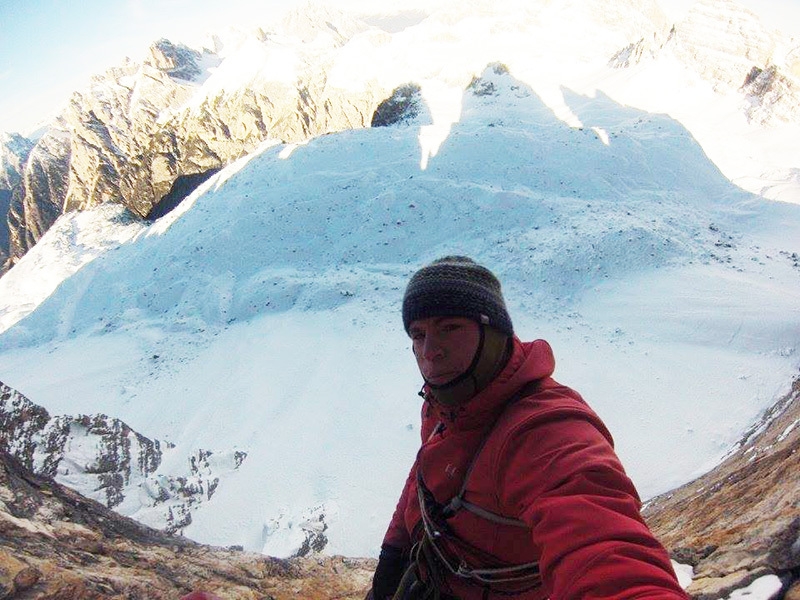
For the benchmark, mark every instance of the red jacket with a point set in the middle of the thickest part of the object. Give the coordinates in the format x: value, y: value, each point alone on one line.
x: 549, y: 462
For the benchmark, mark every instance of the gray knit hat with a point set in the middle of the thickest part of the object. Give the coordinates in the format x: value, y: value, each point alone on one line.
x: 456, y: 286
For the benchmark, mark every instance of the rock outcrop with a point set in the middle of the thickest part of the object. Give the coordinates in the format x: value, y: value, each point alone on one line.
x: 403, y: 106
x: 728, y: 46
x: 38, y: 200
x: 107, y: 461
x: 54, y: 543
x: 14, y: 151
x: 722, y: 40
x: 741, y: 520
x: 771, y: 94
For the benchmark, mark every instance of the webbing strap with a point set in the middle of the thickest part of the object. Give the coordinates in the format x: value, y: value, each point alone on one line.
x: 429, y: 545
x: 458, y: 502
x: 514, y: 573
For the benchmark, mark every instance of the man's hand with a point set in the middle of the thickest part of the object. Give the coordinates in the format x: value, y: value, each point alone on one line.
x: 391, y: 566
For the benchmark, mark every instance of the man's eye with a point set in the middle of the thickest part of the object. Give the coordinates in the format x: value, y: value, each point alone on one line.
x: 450, y: 327
x: 417, y: 336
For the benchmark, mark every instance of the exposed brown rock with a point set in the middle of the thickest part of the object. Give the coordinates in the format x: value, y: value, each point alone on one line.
x: 793, y: 593
x: 26, y: 578
x: 57, y: 544
x: 742, y: 520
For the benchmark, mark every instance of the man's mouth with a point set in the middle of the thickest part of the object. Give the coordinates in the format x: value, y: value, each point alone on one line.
x: 440, y: 377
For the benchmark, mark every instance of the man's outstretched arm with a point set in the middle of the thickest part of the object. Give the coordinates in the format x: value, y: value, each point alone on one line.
x: 565, y: 480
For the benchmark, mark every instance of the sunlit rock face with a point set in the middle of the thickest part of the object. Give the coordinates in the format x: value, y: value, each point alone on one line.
x: 37, y: 200
x: 142, y: 125
x: 14, y: 151
x: 740, y: 521
x: 729, y: 46
x: 57, y: 544
x: 724, y: 40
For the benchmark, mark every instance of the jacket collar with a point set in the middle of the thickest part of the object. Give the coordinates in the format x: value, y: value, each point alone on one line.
x: 529, y: 361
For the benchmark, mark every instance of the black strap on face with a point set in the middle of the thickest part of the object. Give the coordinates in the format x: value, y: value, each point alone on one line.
x: 492, y: 354
x: 470, y: 372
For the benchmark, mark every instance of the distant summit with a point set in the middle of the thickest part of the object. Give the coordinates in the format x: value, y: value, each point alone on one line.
x: 182, y: 113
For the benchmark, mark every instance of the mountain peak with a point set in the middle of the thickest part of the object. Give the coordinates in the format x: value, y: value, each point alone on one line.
x: 177, y: 60
x: 14, y: 151
x: 314, y: 22
x: 724, y: 40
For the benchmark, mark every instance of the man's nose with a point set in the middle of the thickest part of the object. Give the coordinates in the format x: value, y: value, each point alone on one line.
x: 432, y: 347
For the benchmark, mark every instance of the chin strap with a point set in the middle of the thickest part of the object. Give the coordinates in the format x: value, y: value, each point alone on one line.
x: 490, y: 358
x: 466, y: 382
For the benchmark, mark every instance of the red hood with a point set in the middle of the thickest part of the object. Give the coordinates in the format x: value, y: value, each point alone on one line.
x: 530, y: 361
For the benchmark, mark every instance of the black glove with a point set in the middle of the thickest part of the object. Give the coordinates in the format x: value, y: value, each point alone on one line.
x: 391, y: 566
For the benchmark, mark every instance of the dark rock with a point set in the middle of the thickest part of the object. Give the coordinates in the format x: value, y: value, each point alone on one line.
x: 176, y: 60
x: 181, y: 188
x: 26, y: 578
x: 793, y: 593
x: 401, y: 107
x: 315, y: 541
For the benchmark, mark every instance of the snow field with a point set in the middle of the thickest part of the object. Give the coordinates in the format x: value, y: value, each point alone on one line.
x: 263, y: 314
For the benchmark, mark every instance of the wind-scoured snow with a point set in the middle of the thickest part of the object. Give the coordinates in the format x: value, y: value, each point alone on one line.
x: 75, y: 240
x: 263, y: 315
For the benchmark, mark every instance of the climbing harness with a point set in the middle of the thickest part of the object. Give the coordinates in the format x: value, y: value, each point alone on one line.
x: 431, y: 560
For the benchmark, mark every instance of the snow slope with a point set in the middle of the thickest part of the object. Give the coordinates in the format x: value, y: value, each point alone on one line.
x: 75, y: 240
x: 263, y: 314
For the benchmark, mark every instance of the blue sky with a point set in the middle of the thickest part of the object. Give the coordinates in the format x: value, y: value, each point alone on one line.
x: 48, y: 48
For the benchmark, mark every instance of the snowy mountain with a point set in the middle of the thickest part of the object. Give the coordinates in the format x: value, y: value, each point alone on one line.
x: 147, y: 129
x: 271, y: 299
x: 263, y: 313
x: 727, y: 45
x: 110, y: 463
x: 145, y: 126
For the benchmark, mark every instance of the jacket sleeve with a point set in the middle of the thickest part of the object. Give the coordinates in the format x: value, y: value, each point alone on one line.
x: 397, y: 534
x: 561, y: 474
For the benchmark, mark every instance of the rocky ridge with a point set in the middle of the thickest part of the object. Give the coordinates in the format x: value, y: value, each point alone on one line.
x: 142, y: 125
x: 109, y: 462
x: 54, y: 543
x: 735, y: 524
x: 144, y: 129
x: 14, y: 151
x: 727, y: 45
x: 741, y: 520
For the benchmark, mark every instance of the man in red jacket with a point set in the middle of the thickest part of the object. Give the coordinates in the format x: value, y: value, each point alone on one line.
x: 516, y: 491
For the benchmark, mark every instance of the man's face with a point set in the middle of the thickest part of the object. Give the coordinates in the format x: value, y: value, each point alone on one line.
x: 444, y: 347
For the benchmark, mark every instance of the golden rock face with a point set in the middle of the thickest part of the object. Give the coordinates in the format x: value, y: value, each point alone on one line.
x: 739, y: 521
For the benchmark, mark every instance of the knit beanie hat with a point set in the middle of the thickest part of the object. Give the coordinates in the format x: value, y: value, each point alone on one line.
x: 456, y: 286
